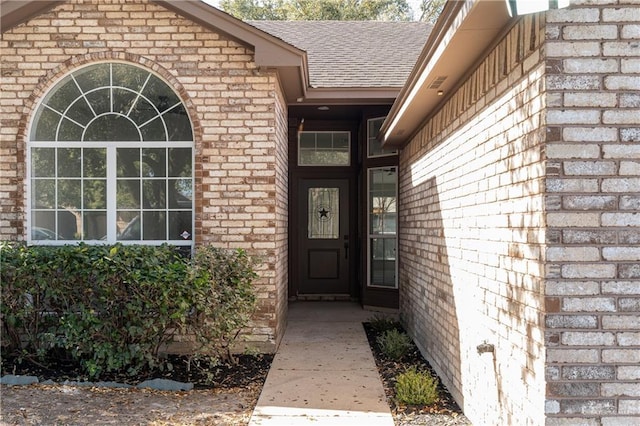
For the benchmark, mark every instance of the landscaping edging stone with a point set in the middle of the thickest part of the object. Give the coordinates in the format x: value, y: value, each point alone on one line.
x: 154, y: 384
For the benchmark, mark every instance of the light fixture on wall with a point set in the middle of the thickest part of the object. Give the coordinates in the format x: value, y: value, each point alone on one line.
x: 301, y: 125
x: 524, y: 7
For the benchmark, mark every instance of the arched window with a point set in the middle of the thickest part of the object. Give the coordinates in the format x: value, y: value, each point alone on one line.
x: 111, y: 159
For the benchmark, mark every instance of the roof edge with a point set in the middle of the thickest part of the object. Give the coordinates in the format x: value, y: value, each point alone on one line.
x: 16, y: 12
x: 469, y: 26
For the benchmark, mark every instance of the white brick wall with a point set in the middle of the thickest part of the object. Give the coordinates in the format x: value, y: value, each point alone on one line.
x: 471, y: 271
x: 501, y: 223
x: 592, y: 332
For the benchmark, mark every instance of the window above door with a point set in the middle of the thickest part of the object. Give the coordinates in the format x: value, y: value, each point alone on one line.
x: 324, y: 148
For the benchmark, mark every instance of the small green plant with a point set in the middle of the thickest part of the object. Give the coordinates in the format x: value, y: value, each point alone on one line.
x: 394, y: 344
x: 415, y: 387
x: 381, y: 322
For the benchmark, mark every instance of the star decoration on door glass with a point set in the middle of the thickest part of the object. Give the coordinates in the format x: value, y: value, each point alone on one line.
x: 324, y: 214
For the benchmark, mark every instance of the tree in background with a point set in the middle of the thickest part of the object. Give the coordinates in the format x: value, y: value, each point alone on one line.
x: 319, y: 10
x: 430, y: 10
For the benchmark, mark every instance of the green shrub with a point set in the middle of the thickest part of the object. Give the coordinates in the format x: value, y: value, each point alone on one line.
x: 394, y: 344
x: 114, y: 308
x: 380, y: 323
x: 224, y: 299
x: 415, y: 387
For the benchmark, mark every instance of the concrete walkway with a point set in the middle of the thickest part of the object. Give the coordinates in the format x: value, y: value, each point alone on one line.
x: 323, y: 372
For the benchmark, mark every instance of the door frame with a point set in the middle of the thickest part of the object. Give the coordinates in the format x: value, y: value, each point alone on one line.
x: 298, y: 173
x: 298, y: 231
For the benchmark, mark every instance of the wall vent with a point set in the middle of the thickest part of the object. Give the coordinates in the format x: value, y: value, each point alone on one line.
x: 435, y: 84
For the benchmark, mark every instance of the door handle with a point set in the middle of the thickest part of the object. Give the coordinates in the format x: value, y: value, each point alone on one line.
x: 346, y: 246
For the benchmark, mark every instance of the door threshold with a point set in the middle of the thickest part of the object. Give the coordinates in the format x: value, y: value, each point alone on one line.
x: 324, y: 298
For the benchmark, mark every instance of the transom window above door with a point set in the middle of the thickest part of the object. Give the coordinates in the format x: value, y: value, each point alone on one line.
x: 110, y: 159
x: 324, y: 148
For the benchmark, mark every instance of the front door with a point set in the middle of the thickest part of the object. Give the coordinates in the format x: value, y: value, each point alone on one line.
x: 324, y: 236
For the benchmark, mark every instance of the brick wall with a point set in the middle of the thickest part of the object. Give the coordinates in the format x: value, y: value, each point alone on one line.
x: 471, y: 235
x: 238, y: 114
x: 593, y: 200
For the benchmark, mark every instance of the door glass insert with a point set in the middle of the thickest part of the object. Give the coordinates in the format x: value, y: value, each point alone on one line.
x: 324, y: 213
x: 383, y: 184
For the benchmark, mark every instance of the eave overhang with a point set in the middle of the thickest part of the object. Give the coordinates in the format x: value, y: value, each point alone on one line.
x: 460, y: 38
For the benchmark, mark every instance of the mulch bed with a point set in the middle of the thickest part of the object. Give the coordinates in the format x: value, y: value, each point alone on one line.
x: 389, y: 369
x: 248, y: 370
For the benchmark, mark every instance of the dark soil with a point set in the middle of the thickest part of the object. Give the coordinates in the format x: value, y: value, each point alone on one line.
x: 389, y: 369
x: 203, y: 375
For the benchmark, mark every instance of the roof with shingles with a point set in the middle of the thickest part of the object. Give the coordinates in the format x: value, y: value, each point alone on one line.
x: 354, y: 53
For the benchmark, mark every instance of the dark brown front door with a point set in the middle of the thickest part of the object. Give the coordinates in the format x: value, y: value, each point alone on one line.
x: 323, y: 206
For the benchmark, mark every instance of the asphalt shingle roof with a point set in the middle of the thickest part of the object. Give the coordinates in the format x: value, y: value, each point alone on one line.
x: 354, y: 54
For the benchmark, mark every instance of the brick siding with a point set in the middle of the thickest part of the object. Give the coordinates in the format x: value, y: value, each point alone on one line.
x: 593, y: 199
x: 238, y: 112
x: 471, y: 235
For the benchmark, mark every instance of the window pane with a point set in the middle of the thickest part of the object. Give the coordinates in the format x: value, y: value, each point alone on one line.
x: 128, y: 194
x: 154, y: 194
x: 180, y: 162
x: 128, y: 162
x: 383, y: 262
x: 129, y: 225
x: 374, y: 146
x: 46, y: 124
x: 129, y: 76
x: 95, y: 162
x: 123, y: 100
x: 95, y: 194
x: 180, y: 194
x: 93, y: 76
x: 64, y: 95
x: 154, y: 162
x: 180, y: 226
x: 43, y: 162
x: 100, y: 101
x: 323, y: 149
x: 324, y: 213
x: 178, y: 124
x: 94, y: 225
x: 111, y: 128
x: 69, y: 162
x: 69, y: 131
x: 67, y: 226
x: 382, y: 201
x: 154, y: 226
x: 80, y: 112
x: 307, y: 140
x: 43, y: 193
x: 43, y: 225
x: 154, y: 131
x: 158, y: 92
x: 69, y: 194
x: 142, y: 112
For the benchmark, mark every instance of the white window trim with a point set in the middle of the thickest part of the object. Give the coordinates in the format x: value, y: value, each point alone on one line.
x: 370, y: 236
x: 325, y: 165
x: 111, y: 179
x: 386, y: 154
